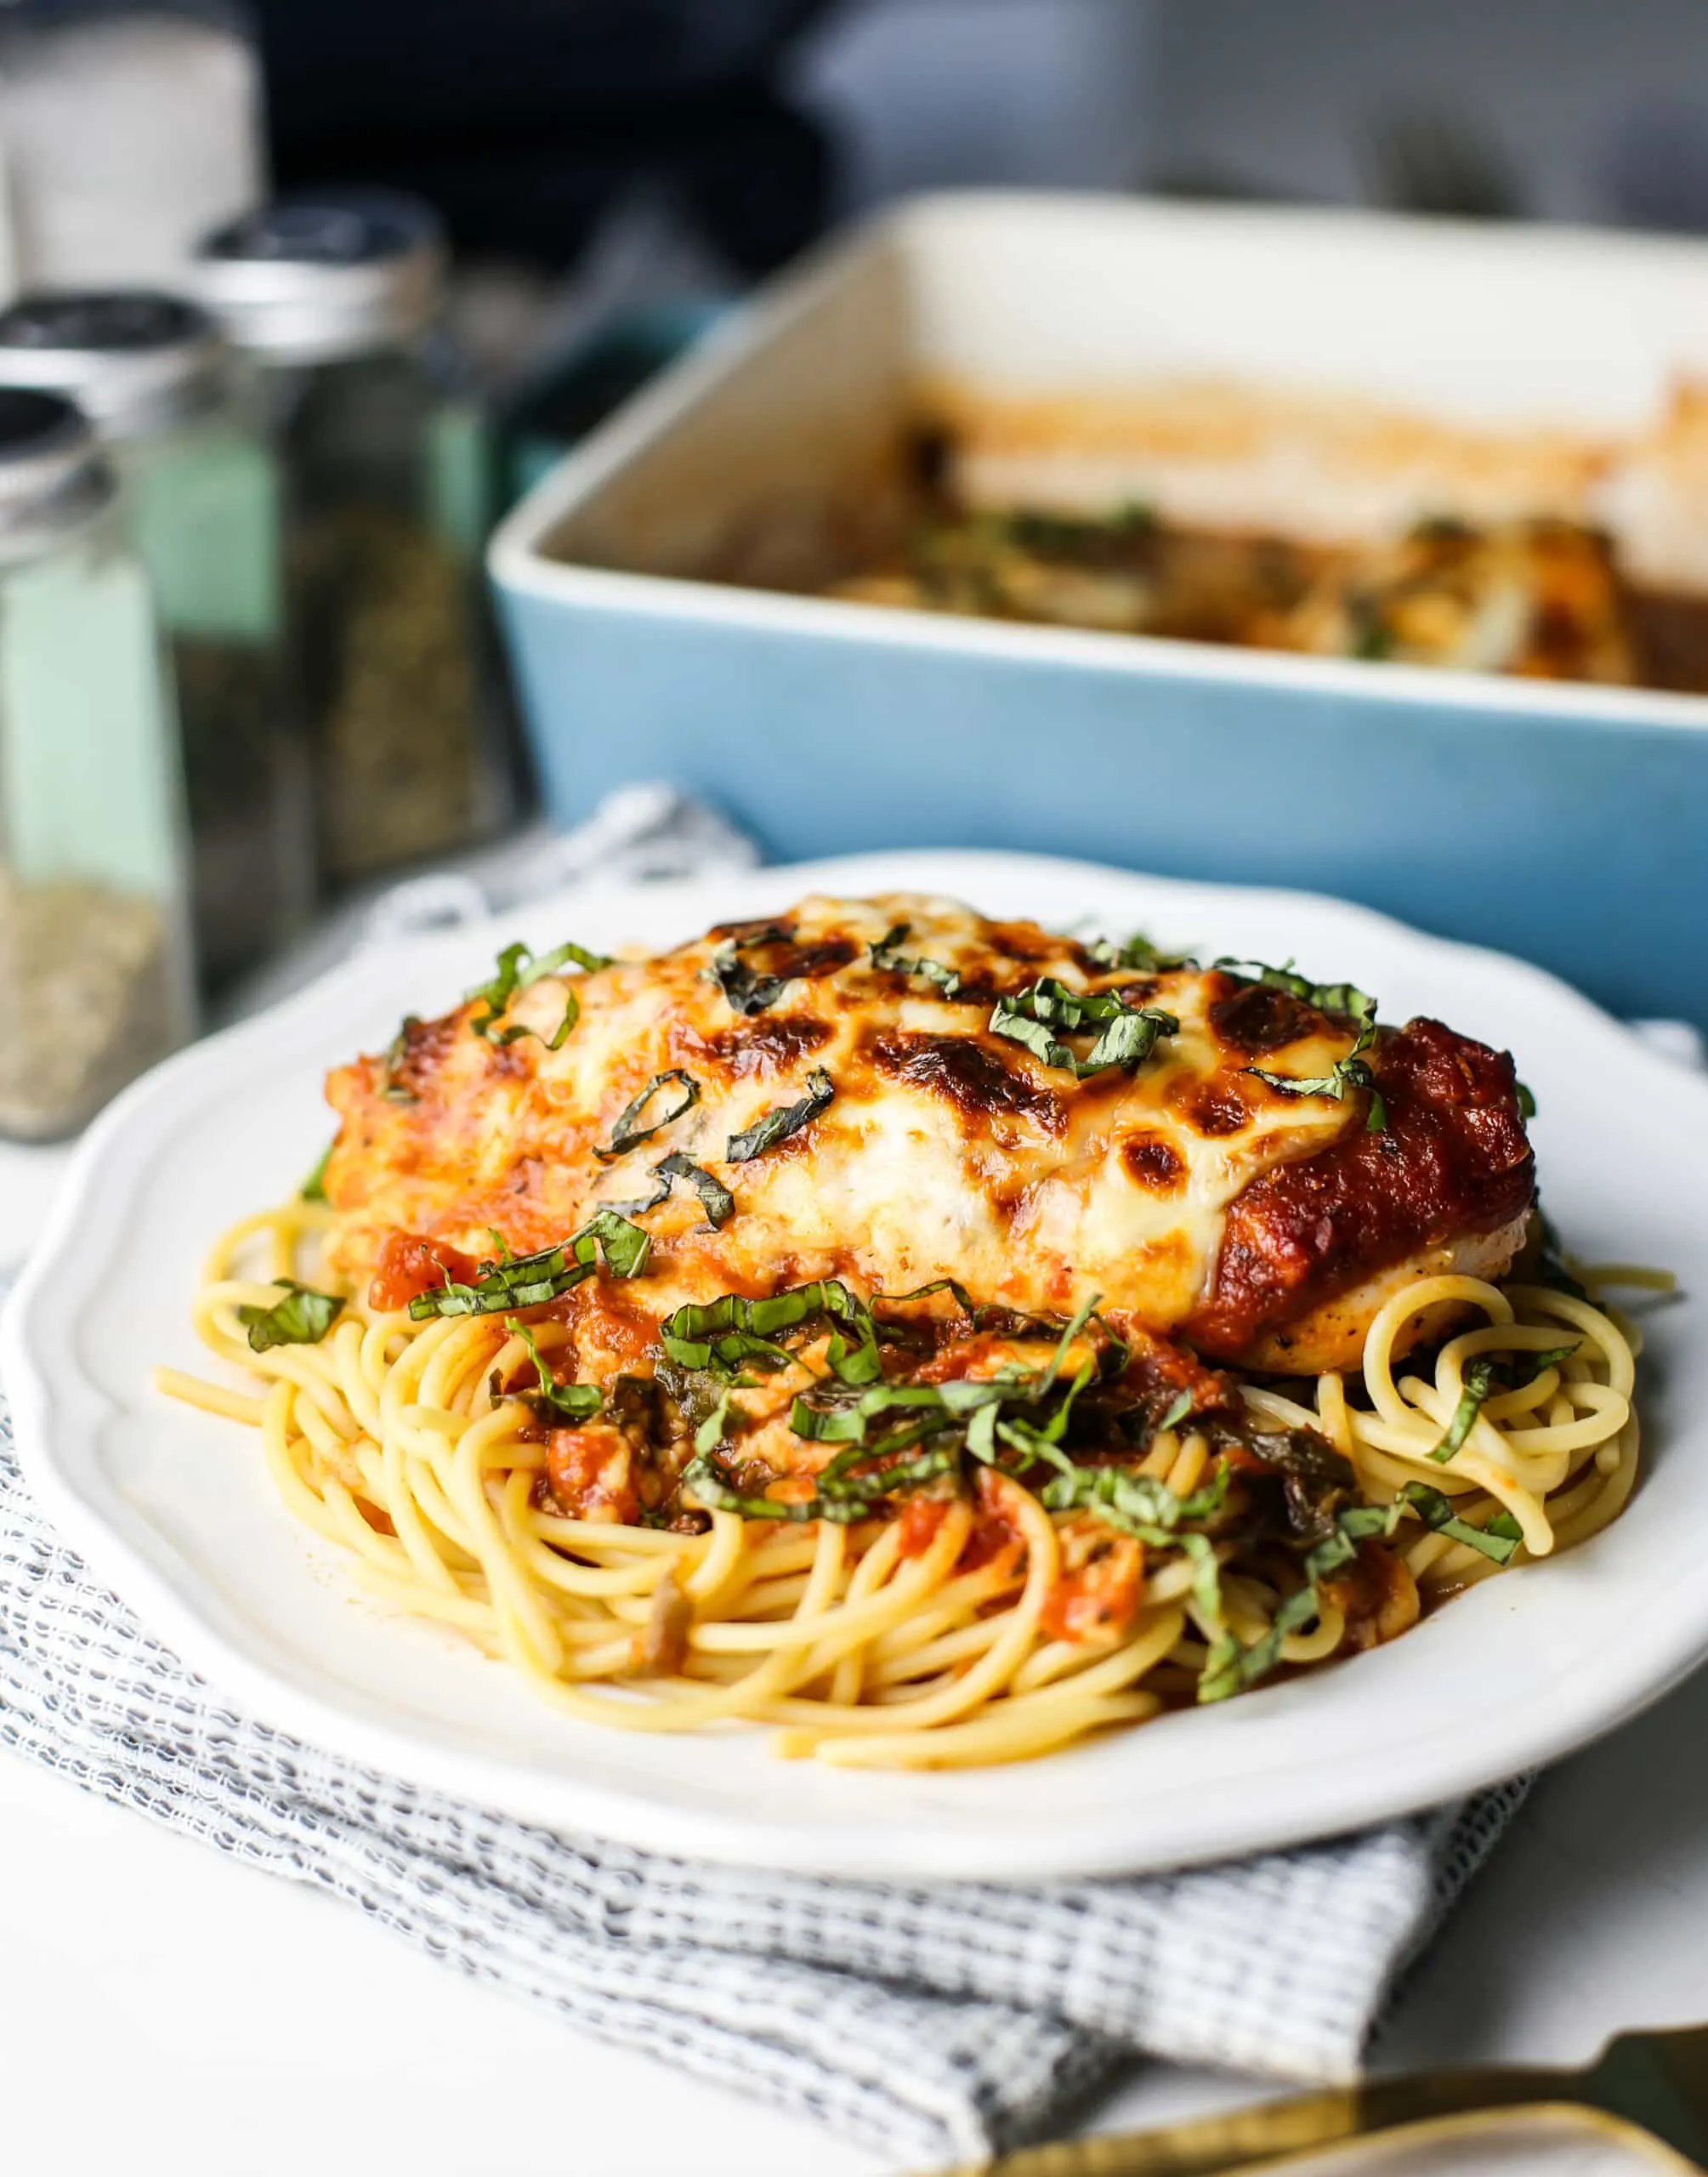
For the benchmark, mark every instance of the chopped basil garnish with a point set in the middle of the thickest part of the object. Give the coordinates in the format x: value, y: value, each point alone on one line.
x: 1127, y: 1041
x: 519, y: 967
x: 778, y: 1125
x: 715, y: 1198
x: 1499, y: 1538
x: 1136, y: 1503
x: 392, y: 1087
x: 840, y: 1494
x: 937, y: 1406
x: 313, y: 1188
x: 1327, y: 998
x: 573, y: 1401
x: 846, y: 1425
x: 1480, y: 1379
x: 746, y: 989
x: 1527, y: 1101
x: 723, y: 1333
x: 1139, y: 953
x: 1179, y: 1407
x: 629, y: 1132
x: 302, y: 1317
x: 1353, y: 1524
x: 1353, y: 1072
x: 1230, y: 1668
x: 705, y: 1479
x: 642, y: 1204
x: 530, y: 1281
x: 887, y: 958
x: 1483, y: 1377
x: 1048, y: 1009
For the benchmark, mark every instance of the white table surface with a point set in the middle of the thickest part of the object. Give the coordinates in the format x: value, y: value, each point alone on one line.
x: 162, y: 2011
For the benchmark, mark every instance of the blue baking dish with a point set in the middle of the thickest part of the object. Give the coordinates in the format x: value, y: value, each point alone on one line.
x: 1566, y: 823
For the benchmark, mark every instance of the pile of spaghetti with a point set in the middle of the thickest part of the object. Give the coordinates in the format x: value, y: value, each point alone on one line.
x: 910, y: 1531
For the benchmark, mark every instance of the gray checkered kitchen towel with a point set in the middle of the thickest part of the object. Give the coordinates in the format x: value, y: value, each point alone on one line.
x: 934, y: 2023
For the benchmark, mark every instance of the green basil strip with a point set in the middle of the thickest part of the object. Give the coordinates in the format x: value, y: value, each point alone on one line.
x: 889, y: 960
x: 393, y: 1090
x: 1179, y: 1407
x: 530, y: 1281
x: 1527, y: 1101
x: 778, y: 1125
x: 711, y: 1487
x: 628, y: 1133
x: 1357, y: 1523
x: 1499, y: 1539
x: 948, y: 1403
x: 1230, y: 1668
x: 744, y: 989
x: 841, y: 1497
x: 1047, y: 1009
x: 715, y: 1198
x: 574, y: 1401
x: 624, y: 1246
x: 313, y: 1188
x: 1485, y: 1376
x: 1033, y: 1034
x: 1480, y: 1379
x: 1129, y: 1041
x: 1350, y: 1073
x: 849, y: 1495
x: 518, y: 968
x: 722, y: 1334
x: 1327, y: 998
x: 825, y: 1296
x: 1139, y: 953
x: 727, y: 1356
x: 302, y: 1317
x: 1525, y: 1367
x: 964, y: 1299
x: 558, y: 1036
x: 1137, y: 1503
x: 496, y: 994
x: 1071, y: 1331
x: 642, y: 1204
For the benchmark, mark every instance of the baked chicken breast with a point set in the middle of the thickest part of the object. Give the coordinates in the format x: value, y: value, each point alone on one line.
x: 895, y: 1091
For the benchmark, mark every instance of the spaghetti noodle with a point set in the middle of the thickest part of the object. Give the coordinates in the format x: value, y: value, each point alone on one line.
x: 935, y: 1581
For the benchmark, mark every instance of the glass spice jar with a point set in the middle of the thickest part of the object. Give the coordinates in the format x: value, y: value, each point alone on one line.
x: 202, y: 488
x: 336, y: 300
x: 95, y: 980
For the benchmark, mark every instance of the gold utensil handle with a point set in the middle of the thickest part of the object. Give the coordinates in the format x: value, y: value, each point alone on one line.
x: 1247, y: 2139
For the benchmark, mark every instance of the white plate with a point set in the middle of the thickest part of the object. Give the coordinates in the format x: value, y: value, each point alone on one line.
x: 175, y: 1509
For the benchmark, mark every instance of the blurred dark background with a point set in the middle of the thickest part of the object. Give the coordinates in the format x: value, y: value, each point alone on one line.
x: 528, y: 121
x: 593, y: 155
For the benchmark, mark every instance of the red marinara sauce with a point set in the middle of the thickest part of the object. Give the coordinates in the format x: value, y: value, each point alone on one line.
x: 410, y: 1265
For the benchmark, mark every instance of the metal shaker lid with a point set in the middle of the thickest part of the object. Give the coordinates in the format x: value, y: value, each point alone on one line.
x: 52, y: 478
x: 313, y: 278
x: 134, y: 360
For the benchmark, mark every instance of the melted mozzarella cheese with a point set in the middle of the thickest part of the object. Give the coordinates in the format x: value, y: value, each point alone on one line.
x: 948, y: 1151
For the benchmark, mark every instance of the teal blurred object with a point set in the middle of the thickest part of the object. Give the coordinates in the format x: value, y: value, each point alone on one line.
x: 579, y: 389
